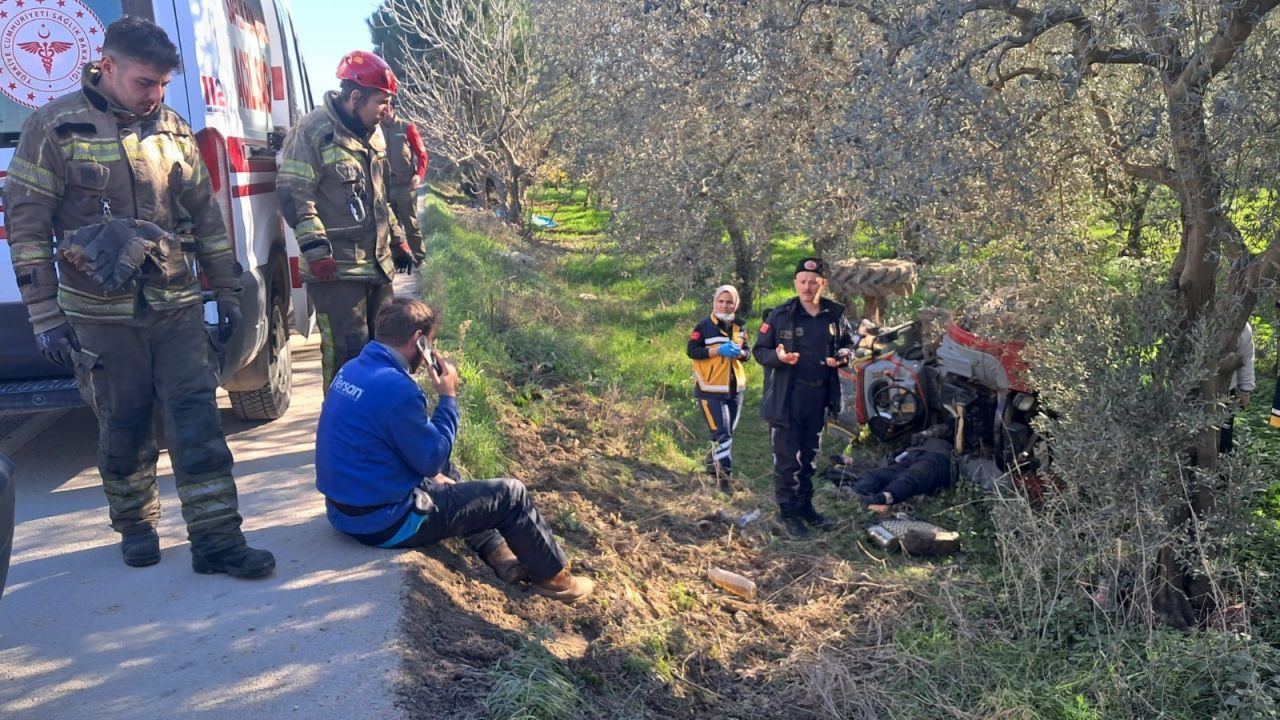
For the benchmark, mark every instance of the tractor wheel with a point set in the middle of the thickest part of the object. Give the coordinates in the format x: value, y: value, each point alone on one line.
x: 872, y: 278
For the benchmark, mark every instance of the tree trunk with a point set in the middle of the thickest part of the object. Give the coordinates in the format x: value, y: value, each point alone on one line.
x: 744, y: 271
x: 1133, y: 218
x: 1180, y: 590
x: 515, y: 205
x: 824, y: 246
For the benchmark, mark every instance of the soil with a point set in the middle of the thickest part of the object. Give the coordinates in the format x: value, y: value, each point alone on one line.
x: 656, y: 639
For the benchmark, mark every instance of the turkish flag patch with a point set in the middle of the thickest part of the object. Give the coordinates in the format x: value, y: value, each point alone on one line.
x: 696, y: 335
x: 764, y: 328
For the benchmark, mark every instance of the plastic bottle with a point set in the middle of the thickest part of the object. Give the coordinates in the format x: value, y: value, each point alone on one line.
x: 748, y: 518
x: 743, y: 587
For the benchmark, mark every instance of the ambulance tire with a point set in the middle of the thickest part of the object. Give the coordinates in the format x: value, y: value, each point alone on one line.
x: 270, y: 401
x: 872, y: 278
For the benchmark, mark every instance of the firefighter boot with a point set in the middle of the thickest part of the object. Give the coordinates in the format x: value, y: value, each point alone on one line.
x: 506, y: 565
x: 565, y: 587
x: 140, y: 546
x: 240, y: 561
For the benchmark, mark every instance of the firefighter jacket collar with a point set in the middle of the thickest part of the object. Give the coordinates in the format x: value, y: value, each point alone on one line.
x: 344, y: 135
x: 89, y: 80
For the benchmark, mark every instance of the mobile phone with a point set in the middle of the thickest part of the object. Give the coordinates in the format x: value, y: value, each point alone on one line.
x: 429, y: 354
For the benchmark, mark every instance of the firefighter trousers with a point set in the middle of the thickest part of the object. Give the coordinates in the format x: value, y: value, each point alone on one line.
x: 404, y: 203
x: 124, y: 371
x: 345, y: 311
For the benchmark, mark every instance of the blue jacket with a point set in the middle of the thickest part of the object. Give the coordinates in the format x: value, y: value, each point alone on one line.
x: 375, y: 442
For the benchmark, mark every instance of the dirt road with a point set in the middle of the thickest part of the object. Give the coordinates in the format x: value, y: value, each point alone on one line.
x: 83, y: 635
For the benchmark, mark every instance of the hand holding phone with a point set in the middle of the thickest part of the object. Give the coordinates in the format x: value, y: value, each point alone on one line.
x: 442, y: 375
x: 429, y: 353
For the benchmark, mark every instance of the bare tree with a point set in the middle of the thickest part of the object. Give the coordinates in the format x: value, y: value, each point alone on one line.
x: 470, y: 81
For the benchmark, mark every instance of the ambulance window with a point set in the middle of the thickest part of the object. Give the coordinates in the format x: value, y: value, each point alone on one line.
x: 34, y: 74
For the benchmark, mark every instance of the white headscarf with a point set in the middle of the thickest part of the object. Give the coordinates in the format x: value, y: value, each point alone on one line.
x: 733, y: 292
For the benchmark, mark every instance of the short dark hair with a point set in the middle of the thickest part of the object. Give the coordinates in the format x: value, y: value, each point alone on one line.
x: 367, y: 94
x: 399, y: 319
x: 140, y: 39
x: 346, y: 87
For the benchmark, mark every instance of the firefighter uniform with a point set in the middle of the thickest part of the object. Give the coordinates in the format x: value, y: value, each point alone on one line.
x: 719, y: 383
x: 798, y: 397
x: 332, y: 187
x: 406, y: 159
x: 86, y: 168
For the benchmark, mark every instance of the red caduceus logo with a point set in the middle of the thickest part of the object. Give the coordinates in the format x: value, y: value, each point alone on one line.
x: 44, y: 49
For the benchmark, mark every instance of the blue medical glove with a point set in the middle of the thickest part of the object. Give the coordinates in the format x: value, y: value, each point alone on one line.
x: 729, y: 350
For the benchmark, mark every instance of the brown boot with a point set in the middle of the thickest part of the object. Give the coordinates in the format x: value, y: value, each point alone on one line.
x: 506, y: 565
x: 565, y: 587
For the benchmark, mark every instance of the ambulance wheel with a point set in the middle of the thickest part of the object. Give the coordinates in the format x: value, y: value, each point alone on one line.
x: 270, y: 401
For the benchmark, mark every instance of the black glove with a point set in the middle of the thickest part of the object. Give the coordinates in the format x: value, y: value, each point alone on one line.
x: 56, y: 345
x: 402, y: 257
x: 228, y: 317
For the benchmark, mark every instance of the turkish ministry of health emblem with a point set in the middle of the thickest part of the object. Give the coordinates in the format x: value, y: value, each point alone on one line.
x: 44, y: 45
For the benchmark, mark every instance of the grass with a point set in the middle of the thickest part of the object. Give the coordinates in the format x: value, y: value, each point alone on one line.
x: 588, y: 321
x: 532, y: 684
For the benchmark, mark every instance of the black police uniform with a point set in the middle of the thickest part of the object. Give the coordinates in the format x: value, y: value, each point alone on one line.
x: 797, y: 397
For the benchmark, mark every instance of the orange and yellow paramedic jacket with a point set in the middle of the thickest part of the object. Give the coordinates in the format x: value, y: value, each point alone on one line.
x: 713, y: 375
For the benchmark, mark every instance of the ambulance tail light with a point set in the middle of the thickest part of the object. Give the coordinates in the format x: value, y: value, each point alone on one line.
x: 213, y: 150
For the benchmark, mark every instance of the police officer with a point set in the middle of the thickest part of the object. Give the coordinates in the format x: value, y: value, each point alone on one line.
x: 802, y: 342
x: 115, y: 174
x: 333, y: 192
x: 407, y: 165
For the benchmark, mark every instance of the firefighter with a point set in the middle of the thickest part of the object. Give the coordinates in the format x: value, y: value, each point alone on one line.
x: 802, y: 342
x: 407, y: 163
x: 115, y: 174
x: 333, y: 191
x: 717, y: 346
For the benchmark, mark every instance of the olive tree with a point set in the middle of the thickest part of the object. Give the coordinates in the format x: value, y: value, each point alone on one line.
x: 698, y: 120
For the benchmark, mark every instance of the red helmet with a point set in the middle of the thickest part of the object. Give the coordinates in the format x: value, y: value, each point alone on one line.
x: 367, y: 70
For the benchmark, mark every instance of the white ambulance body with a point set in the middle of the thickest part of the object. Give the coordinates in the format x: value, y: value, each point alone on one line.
x: 242, y: 85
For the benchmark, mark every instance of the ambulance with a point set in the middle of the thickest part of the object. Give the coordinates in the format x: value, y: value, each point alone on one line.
x: 242, y: 85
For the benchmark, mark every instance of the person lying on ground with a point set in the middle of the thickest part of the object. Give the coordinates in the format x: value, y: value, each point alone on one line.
x: 918, y: 470
x: 381, y: 463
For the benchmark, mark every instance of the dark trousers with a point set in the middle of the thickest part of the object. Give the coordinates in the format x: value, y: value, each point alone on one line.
x: 721, y: 413
x: 345, y: 311
x: 920, y: 473
x: 484, y: 512
x: 404, y: 203
x: 123, y: 370
x: 795, y: 447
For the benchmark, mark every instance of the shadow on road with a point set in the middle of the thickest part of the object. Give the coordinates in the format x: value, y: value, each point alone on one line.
x: 83, y: 635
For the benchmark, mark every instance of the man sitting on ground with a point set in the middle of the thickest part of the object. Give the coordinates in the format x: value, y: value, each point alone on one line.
x: 381, y: 463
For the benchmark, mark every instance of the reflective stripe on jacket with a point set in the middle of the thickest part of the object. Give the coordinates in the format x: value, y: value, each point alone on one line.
x: 327, y: 175
x: 712, y: 373
x: 79, y: 158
